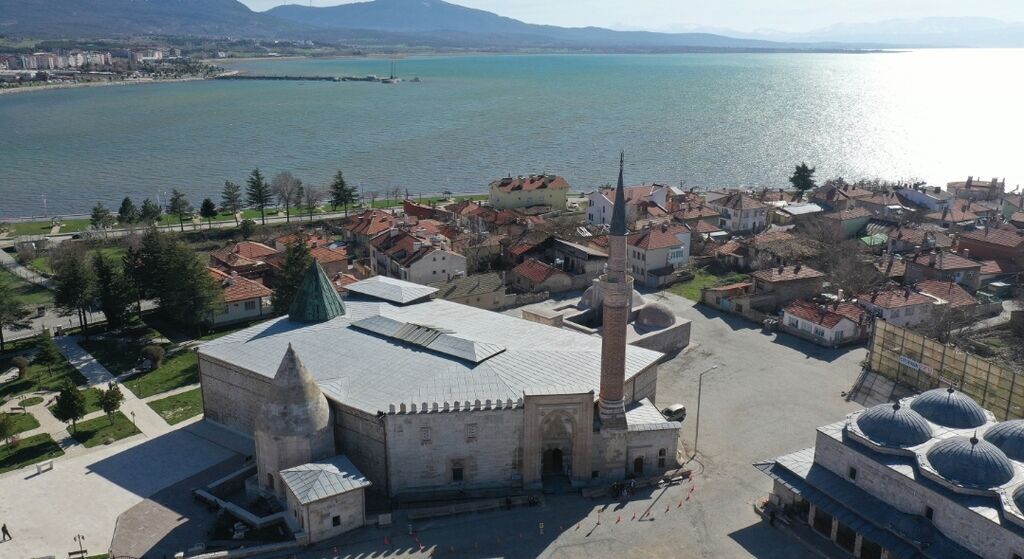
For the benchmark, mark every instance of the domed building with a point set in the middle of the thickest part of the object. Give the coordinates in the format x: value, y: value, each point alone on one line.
x: 1008, y: 436
x: 655, y: 316
x: 894, y: 425
x: 949, y: 408
x: 593, y: 298
x: 971, y: 462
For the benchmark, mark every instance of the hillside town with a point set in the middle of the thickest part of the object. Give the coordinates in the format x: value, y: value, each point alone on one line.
x: 82, y: 66
x: 376, y: 367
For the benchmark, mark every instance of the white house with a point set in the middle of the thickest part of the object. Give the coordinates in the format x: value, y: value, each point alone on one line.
x: 933, y: 198
x: 403, y: 255
x: 900, y: 307
x: 244, y: 299
x: 600, y: 202
x: 740, y: 213
x: 828, y: 325
x: 653, y: 254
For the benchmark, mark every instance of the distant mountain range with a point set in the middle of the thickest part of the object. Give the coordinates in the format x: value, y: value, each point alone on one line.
x: 442, y: 24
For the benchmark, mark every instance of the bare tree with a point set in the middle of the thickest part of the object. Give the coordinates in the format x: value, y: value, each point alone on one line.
x: 286, y: 187
x: 312, y: 196
x: 946, y: 323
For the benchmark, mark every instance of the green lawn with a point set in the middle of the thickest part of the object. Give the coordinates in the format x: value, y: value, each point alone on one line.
x: 43, y: 227
x: 182, y: 369
x: 29, y: 451
x: 92, y: 401
x: 38, y: 378
x: 41, y: 264
x: 179, y: 407
x: 31, y: 401
x: 97, y: 431
x: 23, y: 422
x: 118, y: 356
x: 28, y: 293
x: 701, y: 279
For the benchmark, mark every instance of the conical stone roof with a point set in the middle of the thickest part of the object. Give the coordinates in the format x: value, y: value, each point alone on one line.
x: 316, y: 299
x: 296, y: 406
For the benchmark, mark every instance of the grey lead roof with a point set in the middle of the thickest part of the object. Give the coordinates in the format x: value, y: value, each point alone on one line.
x: 323, y: 479
x: 643, y: 416
x: 369, y: 371
x: 390, y: 289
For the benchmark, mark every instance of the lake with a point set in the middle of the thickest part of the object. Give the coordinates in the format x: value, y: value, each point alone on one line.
x: 703, y: 120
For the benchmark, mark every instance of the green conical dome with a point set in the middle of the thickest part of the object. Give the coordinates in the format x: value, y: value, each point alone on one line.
x: 316, y: 300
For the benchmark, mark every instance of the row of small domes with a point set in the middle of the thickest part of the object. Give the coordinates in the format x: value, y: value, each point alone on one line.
x: 968, y: 461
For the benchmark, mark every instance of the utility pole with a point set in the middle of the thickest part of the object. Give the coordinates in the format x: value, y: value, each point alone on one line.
x: 700, y: 384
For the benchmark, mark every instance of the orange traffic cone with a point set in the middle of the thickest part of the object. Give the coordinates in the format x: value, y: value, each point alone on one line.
x: 577, y: 526
x: 666, y: 508
x: 619, y: 519
x: 634, y: 516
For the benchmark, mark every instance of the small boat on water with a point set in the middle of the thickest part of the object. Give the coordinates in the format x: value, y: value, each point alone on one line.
x: 393, y: 78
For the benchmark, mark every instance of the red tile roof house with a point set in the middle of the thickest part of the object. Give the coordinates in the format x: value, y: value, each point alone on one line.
x: 944, y: 266
x: 786, y: 284
x: 951, y: 293
x: 740, y: 213
x: 311, y: 239
x: 359, y: 229
x: 638, y: 200
x: 247, y: 258
x: 533, y: 276
x: 526, y: 191
x: 406, y: 256
x: 956, y: 217
x: 901, y: 306
x: 333, y: 260
x: 830, y: 325
x: 996, y: 243
x: 850, y: 222
x: 840, y: 198
x: 244, y: 299
x: 654, y: 254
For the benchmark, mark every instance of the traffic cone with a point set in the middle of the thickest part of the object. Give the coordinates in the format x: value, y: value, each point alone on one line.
x: 666, y: 508
x: 619, y: 519
x: 687, y: 497
x: 577, y: 526
x: 634, y: 516
x: 692, y: 487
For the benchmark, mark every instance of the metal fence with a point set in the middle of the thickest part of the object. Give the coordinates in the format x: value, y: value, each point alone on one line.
x: 921, y: 363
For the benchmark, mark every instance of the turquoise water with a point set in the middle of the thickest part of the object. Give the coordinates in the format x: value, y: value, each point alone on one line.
x: 703, y: 119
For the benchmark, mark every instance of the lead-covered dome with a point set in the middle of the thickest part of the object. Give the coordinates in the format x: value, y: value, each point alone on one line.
x: 655, y: 316
x: 971, y: 462
x: 894, y: 425
x: 949, y: 408
x: 1009, y: 437
x: 593, y: 298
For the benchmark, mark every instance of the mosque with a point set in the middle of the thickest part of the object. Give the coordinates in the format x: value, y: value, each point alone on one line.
x: 410, y: 397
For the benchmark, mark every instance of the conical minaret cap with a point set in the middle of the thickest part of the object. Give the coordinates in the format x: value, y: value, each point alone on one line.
x: 619, y: 210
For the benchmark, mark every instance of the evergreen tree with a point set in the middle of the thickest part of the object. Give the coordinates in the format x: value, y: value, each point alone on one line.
x: 13, y: 313
x: 208, y: 210
x: 111, y: 400
x: 341, y: 193
x: 101, y: 217
x: 150, y: 212
x: 180, y: 207
x: 257, y: 192
x: 297, y: 260
x: 803, y: 178
x: 247, y: 228
x: 192, y: 296
x: 74, y: 287
x: 231, y: 199
x: 131, y: 269
x: 70, y: 406
x: 151, y: 257
x: 47, y: 353
x: 6, y: 427
x: 127, y: 213
x: 113, y: 290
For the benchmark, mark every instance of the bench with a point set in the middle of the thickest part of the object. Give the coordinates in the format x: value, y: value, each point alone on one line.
x: 44, y: 467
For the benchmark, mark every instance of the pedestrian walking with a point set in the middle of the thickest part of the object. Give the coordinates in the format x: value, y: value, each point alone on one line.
x: 6, y: 533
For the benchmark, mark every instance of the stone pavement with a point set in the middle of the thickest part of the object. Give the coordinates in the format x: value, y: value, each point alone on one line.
x: 85, y: 494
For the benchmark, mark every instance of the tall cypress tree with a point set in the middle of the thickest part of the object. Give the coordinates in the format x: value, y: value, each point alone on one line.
x: 231, y: 199
x: 257, y: 191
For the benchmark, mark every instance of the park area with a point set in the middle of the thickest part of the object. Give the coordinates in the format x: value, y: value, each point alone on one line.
x: 27, y: 293
x: 179, y: 407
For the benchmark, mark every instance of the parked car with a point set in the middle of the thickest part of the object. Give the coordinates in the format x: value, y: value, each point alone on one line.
x: 675, y: 412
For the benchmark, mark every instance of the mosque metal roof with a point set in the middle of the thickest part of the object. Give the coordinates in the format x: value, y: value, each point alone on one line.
x: 326, y: 478
x: 643, y: 416
x: 316, y: 300
x: 390, y: 289
x: 371, y: 371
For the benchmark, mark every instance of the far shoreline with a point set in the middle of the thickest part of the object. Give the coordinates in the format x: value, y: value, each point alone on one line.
x: 82, y: 85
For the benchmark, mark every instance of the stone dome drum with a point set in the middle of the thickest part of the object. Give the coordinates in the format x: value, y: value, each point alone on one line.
x: 1008, y: 436
x: 949, y: 408
x: 971, y: 462
x: 592, y: 298
x: 655, y: 316
x: 894, y: 425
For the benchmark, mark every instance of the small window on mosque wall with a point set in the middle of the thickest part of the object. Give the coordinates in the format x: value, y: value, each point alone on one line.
x: 335, y: 521
x: 458, y: 473
x: 425, y: 435
x: 471, y: 432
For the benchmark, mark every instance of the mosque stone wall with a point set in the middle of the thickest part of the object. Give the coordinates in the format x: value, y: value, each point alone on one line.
x: 426, y: 449
x: 231, y: 395
x: 360, y: 436
x: 968, y: 528
x: 642, y: 385
x: 318, y: 516
x: 656, y: 448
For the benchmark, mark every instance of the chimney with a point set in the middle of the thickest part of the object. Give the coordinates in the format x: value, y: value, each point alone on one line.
x: 967, y: 252
x: 940, y: 259
x: 931, y: 259
x: 839, y: 295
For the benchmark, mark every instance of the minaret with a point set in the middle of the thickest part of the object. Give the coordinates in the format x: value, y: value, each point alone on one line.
x: 616, y: 289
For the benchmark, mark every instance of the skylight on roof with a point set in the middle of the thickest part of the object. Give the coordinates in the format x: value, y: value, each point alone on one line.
x: 433, y: 338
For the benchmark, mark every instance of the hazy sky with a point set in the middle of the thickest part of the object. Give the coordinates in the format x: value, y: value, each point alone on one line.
x: 744, y: 15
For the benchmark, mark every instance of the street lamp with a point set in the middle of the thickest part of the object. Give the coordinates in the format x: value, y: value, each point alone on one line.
x: 700, y: 383
x: 80, y: 539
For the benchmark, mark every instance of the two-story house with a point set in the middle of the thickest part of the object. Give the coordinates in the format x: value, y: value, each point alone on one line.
x: 995, y: 243
x: 740, y: 213
x: 525, y: 191
x: 943, y: 266
x: 638, y: 200
x: 787, y: 283
x: 931, y: 198
x: 403, y: 255
x: 654, y: 254
x: 899, y: 306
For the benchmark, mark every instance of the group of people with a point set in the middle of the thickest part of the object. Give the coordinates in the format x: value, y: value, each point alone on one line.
x: 624, y: 489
